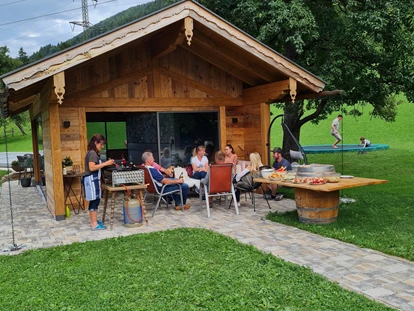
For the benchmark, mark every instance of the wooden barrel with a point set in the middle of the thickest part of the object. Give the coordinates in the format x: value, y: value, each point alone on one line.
x: 316, y: 207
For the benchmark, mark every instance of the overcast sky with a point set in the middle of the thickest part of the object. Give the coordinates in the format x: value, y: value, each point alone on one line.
x: 31, y: 24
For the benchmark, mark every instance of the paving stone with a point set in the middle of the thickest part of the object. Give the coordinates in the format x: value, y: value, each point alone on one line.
x: 378, y: 276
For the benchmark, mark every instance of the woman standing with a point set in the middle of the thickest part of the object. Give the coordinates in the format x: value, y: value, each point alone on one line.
x: 92, y: 178
x: 231, y: 156
x: 199, y: 163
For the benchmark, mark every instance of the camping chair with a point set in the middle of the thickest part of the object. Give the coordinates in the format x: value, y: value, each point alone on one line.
x: 153, y: 190
x: 219, y: 184
x: 247, y: 185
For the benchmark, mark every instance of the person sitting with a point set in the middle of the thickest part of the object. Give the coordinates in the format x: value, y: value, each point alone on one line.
x: 167, y: 171
x: 231, y: 156
x: 219, y: 158
x: 172, y: 183
x: 280, y: 162
x: 199, y: 163
x: 364, y: 142
x: 253, y: 169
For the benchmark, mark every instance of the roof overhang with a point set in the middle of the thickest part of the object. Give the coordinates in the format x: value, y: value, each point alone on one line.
x: 211, y: 33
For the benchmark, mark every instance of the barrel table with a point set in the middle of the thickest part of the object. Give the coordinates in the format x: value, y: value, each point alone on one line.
x: 318, y: 204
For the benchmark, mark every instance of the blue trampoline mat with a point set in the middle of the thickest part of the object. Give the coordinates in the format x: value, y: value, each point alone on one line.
x: 342, y: 148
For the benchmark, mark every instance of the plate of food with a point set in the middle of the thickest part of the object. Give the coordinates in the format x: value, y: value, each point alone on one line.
x: 300, y: 180
x: 316, y: 181
x: 347, y: 176
x: 274, y: 178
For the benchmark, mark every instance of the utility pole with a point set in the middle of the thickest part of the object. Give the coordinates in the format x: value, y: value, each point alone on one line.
x: 85, y: 16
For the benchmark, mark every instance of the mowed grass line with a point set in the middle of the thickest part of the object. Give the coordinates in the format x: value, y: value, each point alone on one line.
x: 181, y: 269
x: 382, y: 218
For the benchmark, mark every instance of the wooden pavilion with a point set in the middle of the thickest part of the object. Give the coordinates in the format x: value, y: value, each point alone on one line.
x: 183, y: 58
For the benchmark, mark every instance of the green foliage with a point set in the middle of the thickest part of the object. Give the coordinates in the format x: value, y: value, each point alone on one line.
x: 197, y: 270
x: 382, y: 217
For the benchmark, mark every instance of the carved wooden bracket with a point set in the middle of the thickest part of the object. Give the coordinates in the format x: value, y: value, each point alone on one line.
x: 293, y: 88
x: 188, y: 25
x: 59, y: 86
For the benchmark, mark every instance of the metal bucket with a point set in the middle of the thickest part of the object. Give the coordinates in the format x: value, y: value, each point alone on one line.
x: 315, y: 170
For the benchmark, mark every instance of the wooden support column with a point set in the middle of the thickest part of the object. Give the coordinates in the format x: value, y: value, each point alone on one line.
x: 264, y: 127
x: 223, y: 127
x: 35, y: 146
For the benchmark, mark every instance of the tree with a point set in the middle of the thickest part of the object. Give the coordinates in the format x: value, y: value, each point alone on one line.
x: 8, y: 64
x: 23, y: 56
x: 362, y: 47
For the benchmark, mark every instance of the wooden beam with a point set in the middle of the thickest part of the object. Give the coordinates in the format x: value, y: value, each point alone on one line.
x: 166, y: 41
x: 223, y: 127
x: 197, y: 85
x: 264, y: 127
x: 56, y: 159
x: 232, y: 56
x: 155, y: 103
x: 266, y: 93
x: 256, y: 49
x: 222, y: 64
x: 153, y: 109
x: 35, y: 148
x: 111, y: 84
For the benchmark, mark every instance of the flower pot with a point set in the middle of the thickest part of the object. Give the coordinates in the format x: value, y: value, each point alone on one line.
x: 69, y: 169
x: 26, y: 182
x: 17, y: 168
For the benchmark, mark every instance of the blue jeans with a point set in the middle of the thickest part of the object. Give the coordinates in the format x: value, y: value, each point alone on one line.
x: 176, y: 195
x: 199, y: 175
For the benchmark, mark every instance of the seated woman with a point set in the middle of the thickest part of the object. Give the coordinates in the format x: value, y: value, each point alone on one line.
x: 231, y: 156
x: 199, y: 163
x: 253, y: 169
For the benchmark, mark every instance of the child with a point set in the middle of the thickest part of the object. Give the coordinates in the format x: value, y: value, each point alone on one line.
x: 364, y: 142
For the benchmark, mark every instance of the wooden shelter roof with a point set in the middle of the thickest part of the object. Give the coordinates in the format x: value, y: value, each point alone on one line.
x: 186, y: 24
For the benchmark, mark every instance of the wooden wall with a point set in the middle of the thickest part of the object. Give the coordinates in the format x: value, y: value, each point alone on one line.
x: 132, y: 74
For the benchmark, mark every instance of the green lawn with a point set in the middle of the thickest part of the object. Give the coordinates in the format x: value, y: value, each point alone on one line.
x: 182, y: 269
x: 16, y: 142
x: 382, y: 217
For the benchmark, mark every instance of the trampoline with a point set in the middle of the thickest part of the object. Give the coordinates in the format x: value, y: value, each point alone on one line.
x: 342, y: 148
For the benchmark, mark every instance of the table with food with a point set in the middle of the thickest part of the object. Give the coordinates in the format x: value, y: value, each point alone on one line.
x: 317, y: 189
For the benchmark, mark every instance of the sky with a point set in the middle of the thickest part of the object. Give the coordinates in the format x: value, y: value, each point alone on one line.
x: 31, y: 24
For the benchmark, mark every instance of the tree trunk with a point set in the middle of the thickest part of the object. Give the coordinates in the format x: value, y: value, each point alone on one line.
x: 20, y: 128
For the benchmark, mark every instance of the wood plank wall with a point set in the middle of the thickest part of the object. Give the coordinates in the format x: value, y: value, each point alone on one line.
x: 72, y: 140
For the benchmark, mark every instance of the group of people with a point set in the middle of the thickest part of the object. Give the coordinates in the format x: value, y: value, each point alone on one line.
x: 163, y: 176
x: 335, y: 133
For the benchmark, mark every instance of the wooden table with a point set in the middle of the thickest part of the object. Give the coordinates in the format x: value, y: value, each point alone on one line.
x: 68, y: 180
x: 318, y: 204
x: 114, y: 190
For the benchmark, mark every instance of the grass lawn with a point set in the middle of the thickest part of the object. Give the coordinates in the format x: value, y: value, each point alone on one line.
x: 182, y: 269
x: 382, y: 217
x: 17, y: 142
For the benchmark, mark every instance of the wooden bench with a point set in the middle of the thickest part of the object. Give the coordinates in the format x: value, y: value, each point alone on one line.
x: 318, y: 204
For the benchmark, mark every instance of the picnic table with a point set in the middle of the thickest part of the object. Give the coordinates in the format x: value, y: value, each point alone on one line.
x: 318, y: 204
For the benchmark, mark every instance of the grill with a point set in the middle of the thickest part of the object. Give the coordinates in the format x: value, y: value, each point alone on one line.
x: 125, y: 176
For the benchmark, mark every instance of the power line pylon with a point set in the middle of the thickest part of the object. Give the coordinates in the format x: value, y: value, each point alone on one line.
x: 85, y: 16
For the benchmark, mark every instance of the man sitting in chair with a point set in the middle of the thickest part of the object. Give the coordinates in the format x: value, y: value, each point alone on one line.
x: 172, y: 183
x: 280, y: 161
